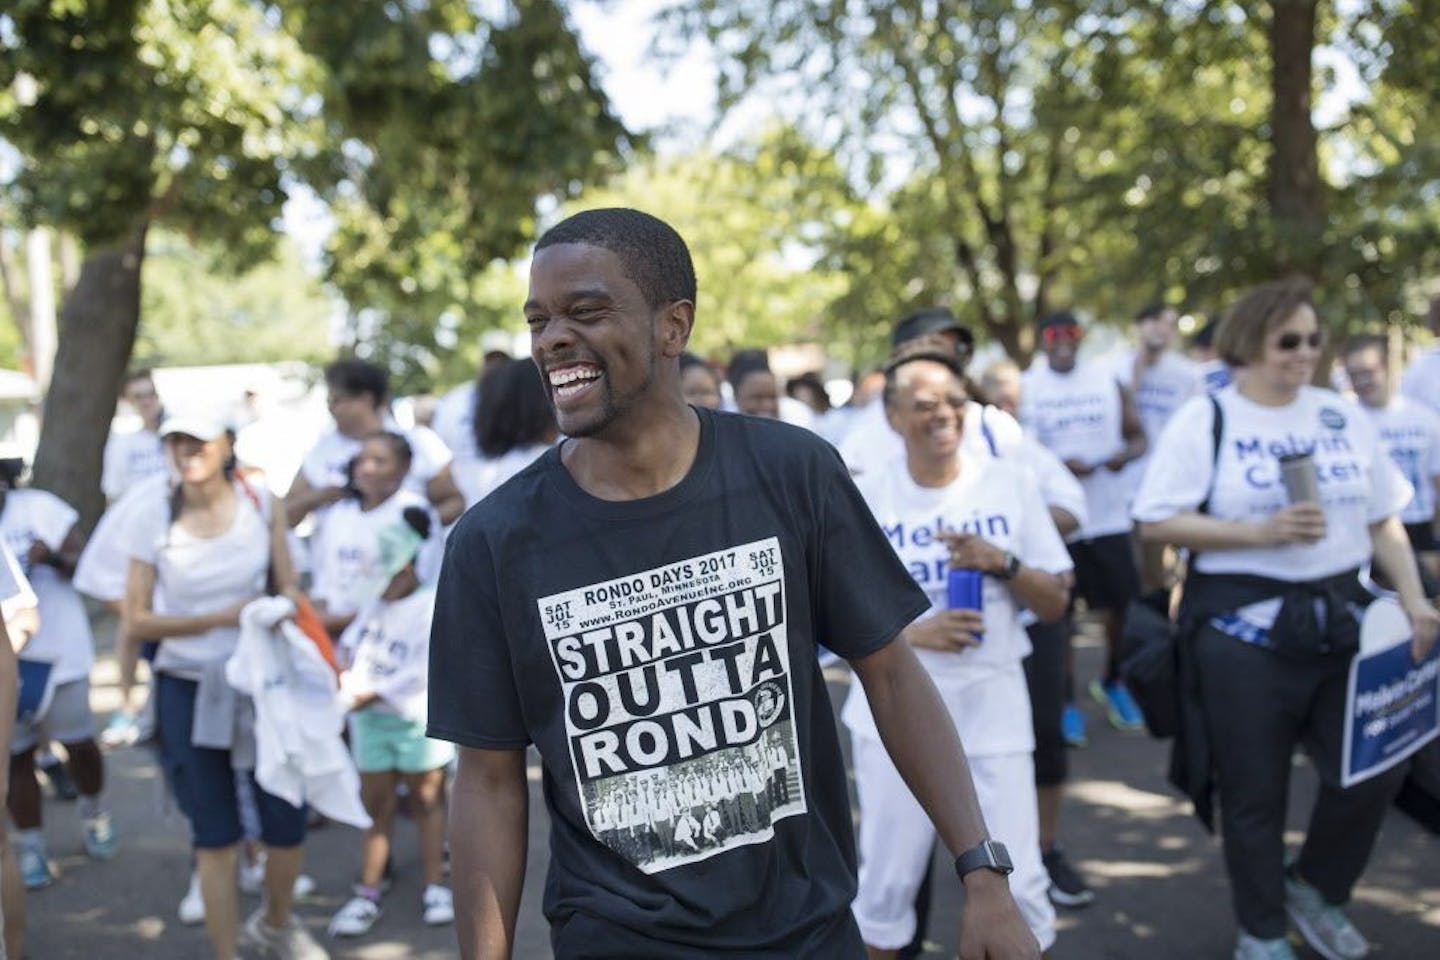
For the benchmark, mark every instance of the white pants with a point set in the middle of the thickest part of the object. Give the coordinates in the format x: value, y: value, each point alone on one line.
x: 897, y: 840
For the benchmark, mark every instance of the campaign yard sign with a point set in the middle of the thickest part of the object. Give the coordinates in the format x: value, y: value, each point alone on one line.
x: 1393, y: 703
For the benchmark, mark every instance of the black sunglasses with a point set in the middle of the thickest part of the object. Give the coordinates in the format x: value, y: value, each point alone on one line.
x: 1292, y: 341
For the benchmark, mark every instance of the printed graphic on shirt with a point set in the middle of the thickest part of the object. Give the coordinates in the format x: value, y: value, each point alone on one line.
x: 678, y: 705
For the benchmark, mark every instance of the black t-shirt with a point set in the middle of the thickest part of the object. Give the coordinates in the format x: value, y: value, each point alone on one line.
x: 661, y: 655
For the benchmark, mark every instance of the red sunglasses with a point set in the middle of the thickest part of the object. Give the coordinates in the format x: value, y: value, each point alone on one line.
x: 1060, y: 333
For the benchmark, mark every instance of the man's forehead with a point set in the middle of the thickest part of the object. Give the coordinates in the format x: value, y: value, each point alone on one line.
x: 568, y: 267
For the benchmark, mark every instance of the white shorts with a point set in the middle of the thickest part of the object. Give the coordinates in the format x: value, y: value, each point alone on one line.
x: 897, y: 840
x: 67, y: 718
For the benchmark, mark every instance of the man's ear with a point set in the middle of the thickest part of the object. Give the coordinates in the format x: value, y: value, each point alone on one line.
x: 676, y: 321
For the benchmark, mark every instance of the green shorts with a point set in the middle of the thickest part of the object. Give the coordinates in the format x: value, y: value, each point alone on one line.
x: 385, y: 742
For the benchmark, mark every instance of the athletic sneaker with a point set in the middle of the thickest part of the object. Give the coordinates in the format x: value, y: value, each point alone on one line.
x: 59, y: 777
x: 355, y: 918
x: 1072, y: 726
x: 1325, y: 927
x: 122, y: 731
x: 35, y: 868
x: 100, y: 837
x: 1121, y: 708
x: 252, y: 880
x: 1253, y: 948
x: 192, y: 905
x: 439, y: 905
x: 290, y: 942
x: 1067, y: 889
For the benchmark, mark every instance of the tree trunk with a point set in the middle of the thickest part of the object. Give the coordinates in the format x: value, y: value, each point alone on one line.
x: 97, y: 333
x: 1296, y: 192
x: 40, y: 339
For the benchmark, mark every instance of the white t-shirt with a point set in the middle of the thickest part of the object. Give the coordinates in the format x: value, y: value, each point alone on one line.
x: 130, y: 458
x: 1078, y: 416
x: 200, y: 575
x: 454, y: 422
x: 1359, y: 484
x: 477, y: 478
x: 345, y: 551
x: 1058, y: 486
x: 64, y: 637
x: 999, y: 500
x: 870, y: 443
x: 1410, y: 433
x: 324, y: 465
x: 392, y: 652
x: 1422, y: 379
x: 1163, y: 388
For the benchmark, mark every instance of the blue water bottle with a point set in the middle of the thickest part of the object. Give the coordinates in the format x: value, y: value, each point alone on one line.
x: 965, y: 590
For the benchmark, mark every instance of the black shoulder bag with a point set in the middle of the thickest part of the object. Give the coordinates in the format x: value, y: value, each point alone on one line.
x: 1150, y: 667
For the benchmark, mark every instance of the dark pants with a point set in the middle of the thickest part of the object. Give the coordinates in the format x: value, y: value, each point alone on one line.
x: 1258, y: 708
x: 1045, y: 676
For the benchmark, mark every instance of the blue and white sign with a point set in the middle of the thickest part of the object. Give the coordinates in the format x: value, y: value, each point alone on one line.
x: 1393, y: 703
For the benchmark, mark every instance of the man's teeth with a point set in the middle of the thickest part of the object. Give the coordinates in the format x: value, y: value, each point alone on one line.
x: 559, y: 378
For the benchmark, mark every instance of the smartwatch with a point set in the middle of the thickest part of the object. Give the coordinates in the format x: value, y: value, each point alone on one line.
x: 1010, y: 568
x: 987, y: 855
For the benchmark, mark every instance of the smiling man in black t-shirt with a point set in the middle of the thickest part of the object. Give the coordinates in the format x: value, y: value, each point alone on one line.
x: 643, y: 605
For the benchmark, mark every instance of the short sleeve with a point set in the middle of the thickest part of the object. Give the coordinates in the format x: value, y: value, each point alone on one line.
x: 1180, y: 469
x: 1432, y: 428
x: 54, y: 519
x: 473, y: 696
x: 144, y: 530
x: 1059, y: 488
x: 1040, y: 544
x: 1388, y: 488
x: 429, y: 452
x: 15, y: 590
x: 863, y: 595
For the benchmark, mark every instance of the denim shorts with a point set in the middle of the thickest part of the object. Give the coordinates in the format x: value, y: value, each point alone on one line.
x: 204, y: 781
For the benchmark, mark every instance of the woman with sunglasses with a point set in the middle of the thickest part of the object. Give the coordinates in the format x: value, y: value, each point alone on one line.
x: 1268, y: 624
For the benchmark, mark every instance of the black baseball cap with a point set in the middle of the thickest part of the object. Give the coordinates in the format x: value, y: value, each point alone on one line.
x: 930, y: 320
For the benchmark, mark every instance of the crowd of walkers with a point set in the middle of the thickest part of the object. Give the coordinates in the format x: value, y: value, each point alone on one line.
x: 1071, y: 490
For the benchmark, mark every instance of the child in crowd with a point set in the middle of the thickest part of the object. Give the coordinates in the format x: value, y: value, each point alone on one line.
x: 388, y: 647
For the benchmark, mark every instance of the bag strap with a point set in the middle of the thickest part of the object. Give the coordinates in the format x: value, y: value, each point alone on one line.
x: 1217, y: 427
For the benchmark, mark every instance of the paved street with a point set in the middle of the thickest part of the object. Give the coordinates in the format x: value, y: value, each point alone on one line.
x: 1162, y: 894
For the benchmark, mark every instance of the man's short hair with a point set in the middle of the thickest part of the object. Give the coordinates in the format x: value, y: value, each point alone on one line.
x: 135, y: 376
x: 358, y: 376
x: 1151, y: 311
x: 1367, y: 341
x: 652, y: 254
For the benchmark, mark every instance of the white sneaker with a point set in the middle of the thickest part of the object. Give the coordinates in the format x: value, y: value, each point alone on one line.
x: 192, y: 906
x: 290, y: 942
x: 355, y: 918
x: 439, y: 905
x: 304, y: 886
x: 252, y: 876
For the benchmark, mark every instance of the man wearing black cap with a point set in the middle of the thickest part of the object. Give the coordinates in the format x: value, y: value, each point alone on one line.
x: 987, y: 431
x: 1089, y: 421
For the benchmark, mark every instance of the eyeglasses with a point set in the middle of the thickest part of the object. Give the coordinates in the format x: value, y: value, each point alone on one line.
x: 1056, y: 334
x: 1291, y: 341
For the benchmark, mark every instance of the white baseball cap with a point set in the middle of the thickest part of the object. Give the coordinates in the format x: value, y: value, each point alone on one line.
x: 201, y: 427
x: 497, y: 341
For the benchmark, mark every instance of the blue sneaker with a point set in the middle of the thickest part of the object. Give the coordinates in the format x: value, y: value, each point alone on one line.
x: 100, y: 837
x: 35, y: 868
x: 1072, y: 726
x: 1121, y: 708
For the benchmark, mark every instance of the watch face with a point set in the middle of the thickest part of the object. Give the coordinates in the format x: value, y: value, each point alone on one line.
x: 1001, y: 857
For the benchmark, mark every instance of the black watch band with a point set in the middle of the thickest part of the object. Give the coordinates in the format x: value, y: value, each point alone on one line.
x: 987, y: 855
x: 1011, y: 567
